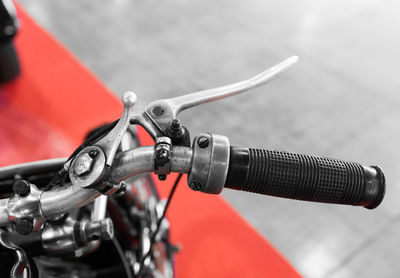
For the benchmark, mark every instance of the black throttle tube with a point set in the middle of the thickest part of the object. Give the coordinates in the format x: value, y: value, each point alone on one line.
x: 304, y: 177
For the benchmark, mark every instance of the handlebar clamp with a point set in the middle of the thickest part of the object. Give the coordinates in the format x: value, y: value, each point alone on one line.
x: 162, y: 157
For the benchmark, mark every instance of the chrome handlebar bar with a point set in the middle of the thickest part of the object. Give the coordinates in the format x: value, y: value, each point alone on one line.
x: 69, y: 197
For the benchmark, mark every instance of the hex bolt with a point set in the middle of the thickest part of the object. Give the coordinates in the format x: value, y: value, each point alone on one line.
x: 22, y: 188
x: 24, y: 226
x: 162, y: 154
x: 83, y: 164
x: 203, y: 142
x: 122, y: 189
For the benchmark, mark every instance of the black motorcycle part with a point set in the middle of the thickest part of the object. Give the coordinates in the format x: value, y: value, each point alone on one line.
x: 304, y: 177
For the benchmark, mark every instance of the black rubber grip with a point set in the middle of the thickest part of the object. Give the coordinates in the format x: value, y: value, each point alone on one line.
x: 304, y: 177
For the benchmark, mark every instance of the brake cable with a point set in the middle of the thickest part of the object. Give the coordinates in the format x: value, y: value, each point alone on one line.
x: 153, y: 237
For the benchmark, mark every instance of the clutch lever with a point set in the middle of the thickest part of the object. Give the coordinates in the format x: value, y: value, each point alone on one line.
x: 163, y: 112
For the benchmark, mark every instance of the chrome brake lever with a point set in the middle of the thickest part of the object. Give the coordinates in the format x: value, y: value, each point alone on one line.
x: 92, y: 163
x: 163, y: 112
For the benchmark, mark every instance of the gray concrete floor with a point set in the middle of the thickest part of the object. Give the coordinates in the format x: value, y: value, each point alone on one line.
x: 340, y: 101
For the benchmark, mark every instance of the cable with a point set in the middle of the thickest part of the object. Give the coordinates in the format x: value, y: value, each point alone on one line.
x: 153, y: 237
x: 121, y: 253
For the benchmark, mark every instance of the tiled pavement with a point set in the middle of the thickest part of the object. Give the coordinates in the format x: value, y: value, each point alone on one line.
x: 341, y: 100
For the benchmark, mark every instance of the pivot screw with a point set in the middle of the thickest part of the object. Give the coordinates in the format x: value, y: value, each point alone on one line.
x: 203, y: 142
x: 21, y: 188
x: 83, y: 164
x: 24, y: 226
x: 158, y: 111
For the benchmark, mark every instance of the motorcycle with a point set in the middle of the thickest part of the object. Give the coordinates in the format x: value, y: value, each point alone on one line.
x: 97, y: 212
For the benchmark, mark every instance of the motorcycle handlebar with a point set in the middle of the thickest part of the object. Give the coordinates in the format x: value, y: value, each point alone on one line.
x: 304, y: 177
x: 279, y: 174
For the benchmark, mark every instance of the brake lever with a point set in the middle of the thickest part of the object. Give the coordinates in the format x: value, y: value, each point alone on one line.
x: 90, y: 166
x: 163, y: 112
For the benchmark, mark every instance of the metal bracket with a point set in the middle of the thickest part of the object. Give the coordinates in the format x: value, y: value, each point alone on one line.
x: 162, y: 157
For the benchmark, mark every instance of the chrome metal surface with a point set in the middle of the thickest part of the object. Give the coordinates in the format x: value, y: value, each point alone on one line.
x: 87, y: 175
x: 162, y: 156
x: 21, y: 267
x: 4, y: 212
x: 98, y: 213
x: 140, y: 160
x: 27, y: 207
x: 143, y: 120
x: 60, y: 240
x: 69, y: 197
x: 163, y: 112
x: 31, y: 167
x: 93, y: 230
x: 210, y: 164
x: 132, y: 162
x: 99, y: 208
x: 111, y: 141
x: 65, y: 199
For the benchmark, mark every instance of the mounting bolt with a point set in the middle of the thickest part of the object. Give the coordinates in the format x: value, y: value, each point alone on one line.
x: 162, y: 177
x: 162, y: 154
x: 176, y: 130
x: 24, y: 226
x: 107, y: 229
x: 22, y: 188
x: 203, y: 142
x: 122, y: 189
x: 83, y: 164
